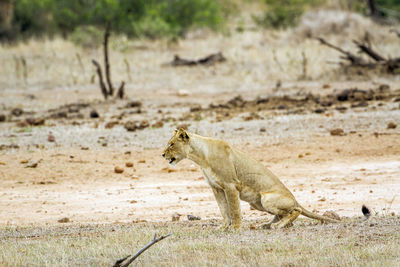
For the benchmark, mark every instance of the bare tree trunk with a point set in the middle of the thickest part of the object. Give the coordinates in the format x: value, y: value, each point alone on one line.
x: 6, y: 13
x: 106, y: 60
x: 373, y: 11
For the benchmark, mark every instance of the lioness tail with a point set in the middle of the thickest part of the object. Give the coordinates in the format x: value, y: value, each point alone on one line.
x: 312, y: 215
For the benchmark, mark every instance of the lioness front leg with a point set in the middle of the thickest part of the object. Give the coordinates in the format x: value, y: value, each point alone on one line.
x: 232, y: 197
x: 223, y: 206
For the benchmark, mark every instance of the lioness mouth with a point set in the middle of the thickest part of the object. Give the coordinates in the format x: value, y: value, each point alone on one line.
x: 172, y: 160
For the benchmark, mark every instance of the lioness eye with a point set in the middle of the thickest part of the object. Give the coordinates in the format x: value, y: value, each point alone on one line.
x: 171, y: 145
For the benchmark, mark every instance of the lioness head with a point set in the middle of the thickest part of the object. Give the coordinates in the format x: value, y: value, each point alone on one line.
x: 177, y: 147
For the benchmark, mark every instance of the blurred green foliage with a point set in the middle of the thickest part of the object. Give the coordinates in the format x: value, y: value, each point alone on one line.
x: 150, y: 18
x: 285, y: 13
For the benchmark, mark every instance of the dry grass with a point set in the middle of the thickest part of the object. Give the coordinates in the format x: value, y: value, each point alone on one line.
x: 256, y: 58
x: 371, y: 243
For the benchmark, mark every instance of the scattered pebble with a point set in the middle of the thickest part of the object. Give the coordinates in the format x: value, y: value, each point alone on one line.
x: 263, y: 130
x: 32, y: 164
x: 118, y: 169
x: 391, y: 125
x: 110, y: 124
x: 64, y: 220
x: 2, y: 117
x: 51, y: 138
x: 176, y: 217
x: 337, y: 132
x: 129, y: 164
x: 193, y: 218
x: 157, y: 124
x: 183, y: 92
x: 94, y: 114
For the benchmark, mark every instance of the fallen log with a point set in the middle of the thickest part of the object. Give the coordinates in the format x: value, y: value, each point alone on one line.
x: 207, y: 61
x: 388, y: 65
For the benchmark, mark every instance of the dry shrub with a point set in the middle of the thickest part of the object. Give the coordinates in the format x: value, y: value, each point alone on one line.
x: 323, y: 22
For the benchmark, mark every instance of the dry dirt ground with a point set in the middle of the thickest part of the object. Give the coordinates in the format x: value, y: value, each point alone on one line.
x: 75, y: 178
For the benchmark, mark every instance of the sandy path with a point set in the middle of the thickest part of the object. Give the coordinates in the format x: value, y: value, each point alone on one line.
x: 332, y: 173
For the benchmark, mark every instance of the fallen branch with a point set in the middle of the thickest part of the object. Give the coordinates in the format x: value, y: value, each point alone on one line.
x: 208, y: 60
x: 367, y: 49
x: 391, y: 66
x: 349, y: 56
x: 101, y: 81
x: 119, y: 263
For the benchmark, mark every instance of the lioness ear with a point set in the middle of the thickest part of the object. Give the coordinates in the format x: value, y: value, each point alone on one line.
x: 183, y: 135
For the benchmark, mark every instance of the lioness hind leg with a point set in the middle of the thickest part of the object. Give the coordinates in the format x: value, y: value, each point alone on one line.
x: 267, y: 225
x: 288, y: 219
x: 284, y: 208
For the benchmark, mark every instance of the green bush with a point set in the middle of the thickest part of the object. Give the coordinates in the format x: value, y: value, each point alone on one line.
x: 151, y: 18
x: 284, y: 13
x: 33, y: 17
x: 87, y: 36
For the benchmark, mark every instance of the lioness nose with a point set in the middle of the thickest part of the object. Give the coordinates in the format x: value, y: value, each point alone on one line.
x: 163, y: 155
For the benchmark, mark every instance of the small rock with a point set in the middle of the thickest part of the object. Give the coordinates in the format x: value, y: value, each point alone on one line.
x: 130, y: 126
x: 183, y: 93
x: 176, y: 217
x: 322, y: 199
x: 193, y: 218
x: 142, y: 161
x: 94, y: 114
x: 17, y: 112
x: 332, y: 215
x: 111, y: 124
x: 195, y: 108
x: 51, y: 138
x: 129, y: 164
x: 35, y: 121
x: 118, y: 169
x: 24, y: 161
x: 391, y: 125
x: 64, y: 220
x: 32, y: 164
x: 84, y: 148
x: 337, y: 132
x: 2, y: 117
x: 263, y: 130
x: 158, y: 124
x: 133, y: 104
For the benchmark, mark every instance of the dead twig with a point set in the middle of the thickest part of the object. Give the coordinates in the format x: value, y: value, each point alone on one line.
x: 107, y: 68
x: 120, y: 263
x: 101, y: 81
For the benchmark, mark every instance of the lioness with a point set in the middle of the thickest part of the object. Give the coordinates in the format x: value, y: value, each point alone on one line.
x: 233, y: 175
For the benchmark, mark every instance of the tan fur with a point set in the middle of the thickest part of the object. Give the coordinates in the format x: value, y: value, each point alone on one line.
x: 233, y: 175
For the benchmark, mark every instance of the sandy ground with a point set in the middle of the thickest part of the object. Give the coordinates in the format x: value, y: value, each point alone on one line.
x: 338, y: 173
